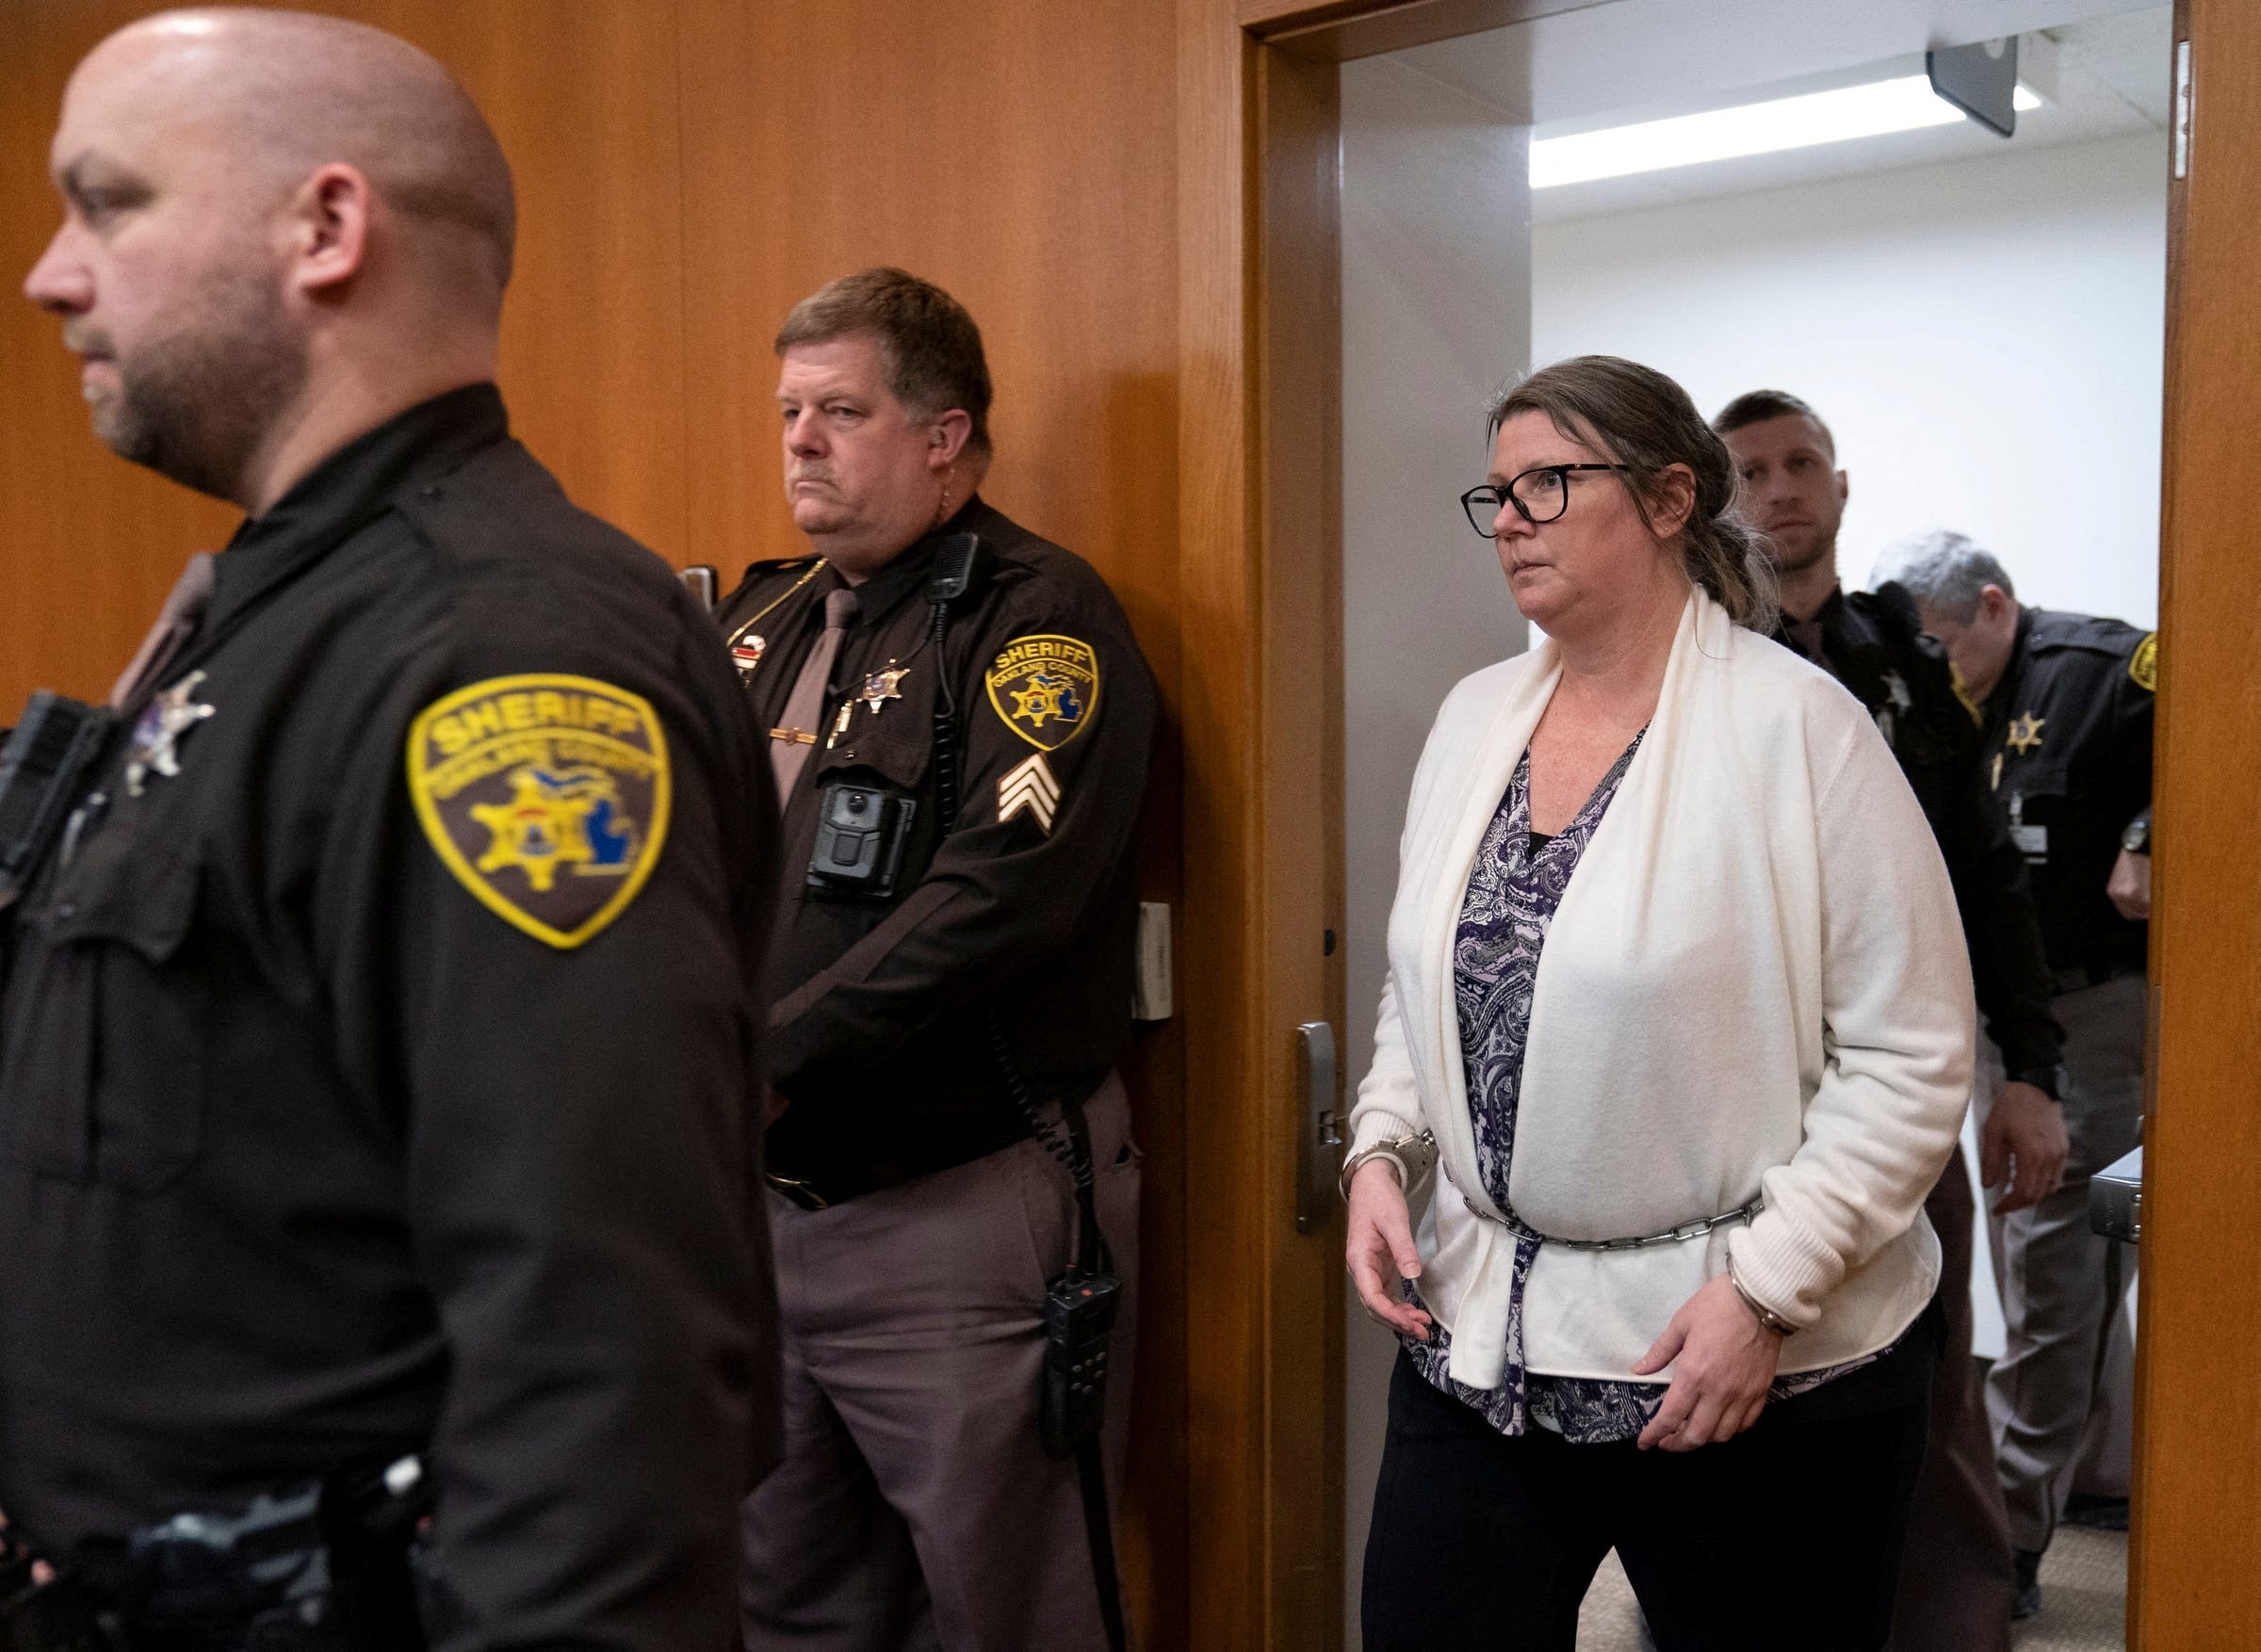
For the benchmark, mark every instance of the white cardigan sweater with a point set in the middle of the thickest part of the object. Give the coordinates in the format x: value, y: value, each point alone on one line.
x: 1756, y: 981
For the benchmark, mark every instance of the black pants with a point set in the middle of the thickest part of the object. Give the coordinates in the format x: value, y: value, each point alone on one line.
x: 1788, y: 1536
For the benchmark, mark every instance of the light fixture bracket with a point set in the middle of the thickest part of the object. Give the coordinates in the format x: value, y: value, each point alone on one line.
x: 1980, y: 79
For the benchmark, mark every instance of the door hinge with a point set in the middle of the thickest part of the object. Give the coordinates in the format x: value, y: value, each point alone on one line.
x: 2182, y: 109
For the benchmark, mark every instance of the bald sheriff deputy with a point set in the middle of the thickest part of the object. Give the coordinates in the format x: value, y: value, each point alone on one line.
x: 380, y: 1052
x: 960, y: 723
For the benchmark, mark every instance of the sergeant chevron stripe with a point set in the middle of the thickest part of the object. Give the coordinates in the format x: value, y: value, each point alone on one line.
x: 1030, y: 786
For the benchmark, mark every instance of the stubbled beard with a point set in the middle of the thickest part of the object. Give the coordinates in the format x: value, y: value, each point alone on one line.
x: 195, y: 405
x: 1779, y: 556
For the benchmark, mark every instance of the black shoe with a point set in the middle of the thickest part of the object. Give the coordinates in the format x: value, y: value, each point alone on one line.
x: 2096, y: 1513
x: 2026, y: 1598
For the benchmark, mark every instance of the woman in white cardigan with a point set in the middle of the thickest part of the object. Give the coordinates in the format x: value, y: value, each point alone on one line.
x: 1679, y: 1002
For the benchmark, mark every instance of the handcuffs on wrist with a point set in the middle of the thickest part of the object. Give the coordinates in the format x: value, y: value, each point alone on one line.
x: 1768, y: 1319
x: 1415, y: 1155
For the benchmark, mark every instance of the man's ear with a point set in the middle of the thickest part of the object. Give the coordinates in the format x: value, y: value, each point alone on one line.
x: 1998, y: 604
x: 946, y: 438
x: 1844, y: 486
x: 328, y: 228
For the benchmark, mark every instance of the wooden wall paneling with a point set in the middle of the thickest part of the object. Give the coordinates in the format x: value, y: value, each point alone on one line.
x: 584, y: 100
x: 88, y: 543
x: 2192, y: 1584
x: 1012, y: 151
x: 1016, y: 152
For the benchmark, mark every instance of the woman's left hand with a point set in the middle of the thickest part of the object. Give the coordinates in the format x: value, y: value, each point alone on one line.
x: 1726, y: 1362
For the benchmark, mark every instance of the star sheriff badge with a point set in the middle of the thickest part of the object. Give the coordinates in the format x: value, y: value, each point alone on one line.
x: 883, y: 686
x: 155, y: 747
x: 2025, y: 733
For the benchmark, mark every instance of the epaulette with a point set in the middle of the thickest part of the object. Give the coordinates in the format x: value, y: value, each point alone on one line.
x: 2053, y: 628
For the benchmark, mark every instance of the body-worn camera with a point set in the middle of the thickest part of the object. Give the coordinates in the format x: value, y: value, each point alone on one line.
x: 1078, y: 1318
x: 861, y: 830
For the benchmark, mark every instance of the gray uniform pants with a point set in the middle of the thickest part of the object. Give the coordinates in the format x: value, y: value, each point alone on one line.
x: 915, y: 1508
x: 2061, y: 1283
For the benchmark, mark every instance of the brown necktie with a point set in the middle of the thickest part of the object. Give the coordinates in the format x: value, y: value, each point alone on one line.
x: 793, y: 739
x: 176, y: 623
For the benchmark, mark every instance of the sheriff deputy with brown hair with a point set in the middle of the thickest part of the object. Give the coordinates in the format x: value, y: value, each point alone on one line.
x: 960, y: 723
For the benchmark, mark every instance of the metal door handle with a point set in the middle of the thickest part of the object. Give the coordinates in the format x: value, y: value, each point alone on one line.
x: 1318, y: 1132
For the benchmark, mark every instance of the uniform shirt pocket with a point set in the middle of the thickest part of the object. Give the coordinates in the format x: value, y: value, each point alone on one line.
x: 2033, y: 799
x: 104, y: 1073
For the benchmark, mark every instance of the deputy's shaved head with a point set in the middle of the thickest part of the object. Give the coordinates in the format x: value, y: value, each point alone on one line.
x: 282, y: 229
x: 288, y: 91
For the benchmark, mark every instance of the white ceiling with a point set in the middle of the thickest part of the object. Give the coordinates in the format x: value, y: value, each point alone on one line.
x: 1644, y: 59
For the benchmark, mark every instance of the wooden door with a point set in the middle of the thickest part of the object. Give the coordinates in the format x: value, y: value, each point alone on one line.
x: 1260, y: 524
x: 2193, y: 1585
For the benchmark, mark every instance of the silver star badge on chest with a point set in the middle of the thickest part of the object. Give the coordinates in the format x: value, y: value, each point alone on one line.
x: 155, y: 747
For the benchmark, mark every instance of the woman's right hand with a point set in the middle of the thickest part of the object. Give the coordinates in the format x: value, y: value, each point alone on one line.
x: 1380, y: 1250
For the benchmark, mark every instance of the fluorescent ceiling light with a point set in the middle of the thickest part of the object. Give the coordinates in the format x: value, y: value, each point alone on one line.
x: 1822, y: 116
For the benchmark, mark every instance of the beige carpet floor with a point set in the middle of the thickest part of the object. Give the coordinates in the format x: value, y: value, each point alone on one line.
x: 2084, y: 1600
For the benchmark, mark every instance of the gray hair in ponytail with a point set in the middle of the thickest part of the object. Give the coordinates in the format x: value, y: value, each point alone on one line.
x: 1637, y: 417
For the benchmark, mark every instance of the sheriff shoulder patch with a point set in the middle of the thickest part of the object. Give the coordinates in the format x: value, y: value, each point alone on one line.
x: 2144, y: 666
x: 546, y: 797
x: 1047, y: 688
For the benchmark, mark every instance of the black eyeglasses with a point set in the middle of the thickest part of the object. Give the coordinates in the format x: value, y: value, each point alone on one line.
x: 1538, y: 495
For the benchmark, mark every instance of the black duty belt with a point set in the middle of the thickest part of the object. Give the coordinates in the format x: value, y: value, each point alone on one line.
x: 334, y: 1565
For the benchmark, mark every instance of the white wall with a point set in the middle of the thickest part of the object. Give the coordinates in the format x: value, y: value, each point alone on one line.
x: 1985, y: 338
x: 1435, y: 312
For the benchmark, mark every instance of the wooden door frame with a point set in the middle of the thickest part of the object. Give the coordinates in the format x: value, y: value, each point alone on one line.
x: 1260, y: 462
x: 1258, y: 445
x: 2191, y: 1579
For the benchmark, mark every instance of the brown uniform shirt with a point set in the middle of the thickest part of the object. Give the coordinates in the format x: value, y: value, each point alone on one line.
x: 1023, y: 915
